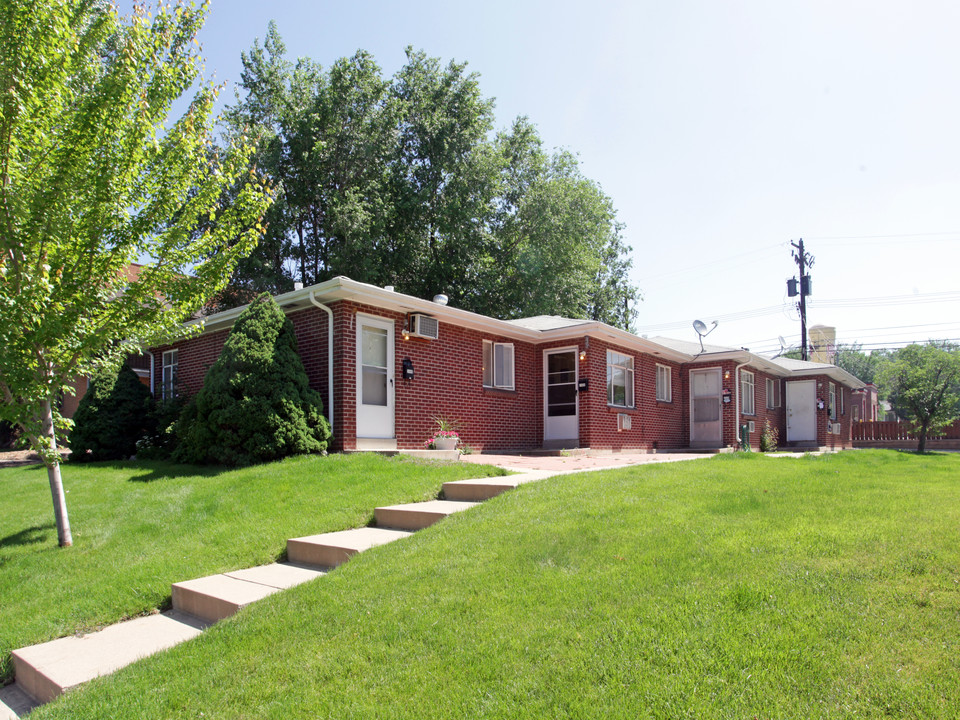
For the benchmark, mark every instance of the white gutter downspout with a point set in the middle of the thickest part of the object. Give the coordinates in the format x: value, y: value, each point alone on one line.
x: 151, y: 373
x: 736, y: 380
x: 329, y: 313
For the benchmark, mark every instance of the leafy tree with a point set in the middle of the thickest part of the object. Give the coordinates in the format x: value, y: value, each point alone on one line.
x: 92, y: 179
x: 256, y: 404
x: 922, y: 383
x: 400, y: 182
x: 861, y: 365
x: 111, y: 417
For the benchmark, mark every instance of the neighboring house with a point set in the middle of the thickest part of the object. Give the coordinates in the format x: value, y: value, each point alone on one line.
x: 388, y: 364
x: 865, y: 404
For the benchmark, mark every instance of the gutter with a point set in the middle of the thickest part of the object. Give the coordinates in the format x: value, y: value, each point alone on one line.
x: 329, y: 313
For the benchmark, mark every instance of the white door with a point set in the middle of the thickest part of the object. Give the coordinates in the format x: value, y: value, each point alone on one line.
x: 706, y: 405
x: 375, y: 396
x: 802, y: 411
x: 560, y: 422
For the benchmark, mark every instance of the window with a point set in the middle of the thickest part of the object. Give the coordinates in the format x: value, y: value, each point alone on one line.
x: 498, y: 365
x: 748, y: 407
x: 664, y: 384
x: 168, y: 384
x: 833, y: 401
x: 619, y: 379
x: 773, y: 393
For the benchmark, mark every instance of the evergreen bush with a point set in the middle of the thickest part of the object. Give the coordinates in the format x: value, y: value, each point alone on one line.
x: 111, y: 417
x: 256, y: 404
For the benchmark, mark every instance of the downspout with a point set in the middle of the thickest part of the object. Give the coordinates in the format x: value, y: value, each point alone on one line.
x: 151, y: 373
x: 736, y: 381
x: 329, y: 313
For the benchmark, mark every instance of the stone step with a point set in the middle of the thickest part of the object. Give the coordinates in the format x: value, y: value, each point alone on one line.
x: 416, y: 516
x: 15, y: 703
x: 334, y: 548
x: 47, y: 670
x: 216, y: 597
x: 481, y: 489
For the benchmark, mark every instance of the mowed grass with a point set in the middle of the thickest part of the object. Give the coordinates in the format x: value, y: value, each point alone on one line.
x: 139, y: 526
x: 736, y: 587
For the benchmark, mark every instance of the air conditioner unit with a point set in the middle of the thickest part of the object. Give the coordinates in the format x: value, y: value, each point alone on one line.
x: 624, y: 422
x: 424, y: 326
x: 751, y: 426
x: 836, y: 428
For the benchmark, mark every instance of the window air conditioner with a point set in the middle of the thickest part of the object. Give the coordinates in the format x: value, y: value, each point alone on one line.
x: 624, y: 422
x: 424, y: 326
x: 751, y: 426
x: 836, y: 428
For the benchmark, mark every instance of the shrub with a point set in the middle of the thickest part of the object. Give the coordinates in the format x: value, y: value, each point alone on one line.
x: 111, y: 417
x: 161, y: 441
x: 769, y: 438
x: 256, y: 404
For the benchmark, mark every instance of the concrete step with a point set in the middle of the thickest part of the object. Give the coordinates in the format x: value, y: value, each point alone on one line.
x: 216, y: 597
x: 334, y: 548
x: 15, y: 703
x: 416, y: 516
x: 481, y: 489
x: 47, y: 670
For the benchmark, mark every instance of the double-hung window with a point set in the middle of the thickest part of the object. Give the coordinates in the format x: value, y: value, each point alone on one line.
x: 746, y: 393
x: 664, y: 384
x: 168, y: 384
x: 773, y: 393
x: 498, y: 365
x: 619, y: 379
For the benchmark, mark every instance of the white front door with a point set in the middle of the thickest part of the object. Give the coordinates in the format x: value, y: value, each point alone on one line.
x: 375, y: 396
x: 560, y: 422
x: 802, y: 411
x: 706, y: 405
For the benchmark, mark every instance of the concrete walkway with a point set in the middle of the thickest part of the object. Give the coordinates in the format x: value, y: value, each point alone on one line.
x: 45, y: 671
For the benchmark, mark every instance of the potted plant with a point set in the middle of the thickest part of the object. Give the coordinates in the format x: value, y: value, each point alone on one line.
x: 445, y: 437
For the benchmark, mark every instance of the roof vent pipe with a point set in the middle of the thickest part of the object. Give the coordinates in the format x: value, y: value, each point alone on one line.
x: 440, y: 299
x: 298, y: 286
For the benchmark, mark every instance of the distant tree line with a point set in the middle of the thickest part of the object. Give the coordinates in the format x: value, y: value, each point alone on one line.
x: 402, y: 181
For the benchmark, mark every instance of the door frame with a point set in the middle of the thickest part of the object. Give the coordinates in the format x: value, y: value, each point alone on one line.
x: 719, y: 440
x: 564, y: 441
x: 389, y: 429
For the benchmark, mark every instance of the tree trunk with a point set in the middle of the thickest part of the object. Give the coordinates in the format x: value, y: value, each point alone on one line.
x: 51, y: 458
x: 922, y: 438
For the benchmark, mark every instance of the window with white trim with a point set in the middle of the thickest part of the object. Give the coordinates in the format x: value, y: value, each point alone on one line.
x: 664, y: 383
x: 168, y: 382
x: 498, y: 365
x: 619, y: 379
x: 833, y: 401
x: 773, y: 393
x: 747, y: 404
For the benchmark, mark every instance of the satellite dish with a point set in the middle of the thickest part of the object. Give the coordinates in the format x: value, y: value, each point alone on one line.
x: 701, y: 327
x: 783, y: 347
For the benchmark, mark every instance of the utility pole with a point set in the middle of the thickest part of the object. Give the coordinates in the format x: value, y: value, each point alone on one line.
x: 804, y: 260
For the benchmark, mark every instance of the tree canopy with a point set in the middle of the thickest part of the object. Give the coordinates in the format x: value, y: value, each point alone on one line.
x: 402, y: 181
x: 922, y: 383
x: 93, y: 178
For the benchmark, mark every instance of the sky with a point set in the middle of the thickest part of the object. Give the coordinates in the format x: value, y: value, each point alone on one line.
x: 722, y: 131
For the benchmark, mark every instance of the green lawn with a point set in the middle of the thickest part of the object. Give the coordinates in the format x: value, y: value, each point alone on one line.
x: 137, y: 527
x: 735, y: 587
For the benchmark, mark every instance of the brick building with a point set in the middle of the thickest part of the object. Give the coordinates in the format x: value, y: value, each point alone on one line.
x: 388, y: 364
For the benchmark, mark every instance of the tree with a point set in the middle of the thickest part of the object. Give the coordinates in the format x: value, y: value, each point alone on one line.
x: 256, y: 404
x: 91, y: 179
x: 863, y: 366
x: 113, y: 414
x: 399, y: 182
x: 922, y: 383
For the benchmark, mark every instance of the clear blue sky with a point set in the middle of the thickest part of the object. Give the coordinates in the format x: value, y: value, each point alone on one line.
x: 722, y: 131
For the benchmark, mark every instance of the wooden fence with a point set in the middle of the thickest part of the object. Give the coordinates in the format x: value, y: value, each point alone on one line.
x: 883, y: 431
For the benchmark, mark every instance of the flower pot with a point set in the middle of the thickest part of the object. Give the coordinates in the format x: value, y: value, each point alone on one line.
x: 445, y: 443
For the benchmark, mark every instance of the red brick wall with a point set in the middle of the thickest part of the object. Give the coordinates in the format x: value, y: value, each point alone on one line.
x: 448, y: 383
